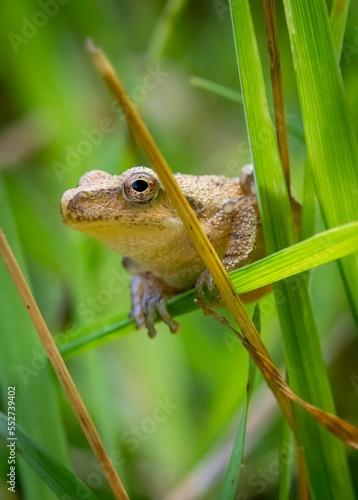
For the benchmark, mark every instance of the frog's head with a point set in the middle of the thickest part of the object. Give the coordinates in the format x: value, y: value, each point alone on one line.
x: 101, y: 197
x: 117, y: 207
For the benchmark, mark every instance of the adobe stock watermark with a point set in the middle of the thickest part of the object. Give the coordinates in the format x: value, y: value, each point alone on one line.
x: 30, y: 27
x: 92, y: 305
x: 222, y: 7
x: 87, y: 310
x: 348, y: 50
x: 138, y: 433
x: 131, y: 440
x: 74, y: 154
x: 354, y: 381
x: 259, y: 481
x: 258, y: 143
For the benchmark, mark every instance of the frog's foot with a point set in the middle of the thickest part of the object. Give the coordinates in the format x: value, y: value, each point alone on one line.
x: 149, y: 300
x: 206, y: 282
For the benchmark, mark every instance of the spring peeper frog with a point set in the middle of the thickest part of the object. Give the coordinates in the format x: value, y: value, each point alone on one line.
x: 132, y: 214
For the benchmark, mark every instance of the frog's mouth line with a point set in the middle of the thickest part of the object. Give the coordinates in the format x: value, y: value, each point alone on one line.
x: 81, y: 220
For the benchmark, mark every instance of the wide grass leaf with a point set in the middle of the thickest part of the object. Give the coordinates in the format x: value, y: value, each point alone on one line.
x: 330, y: 137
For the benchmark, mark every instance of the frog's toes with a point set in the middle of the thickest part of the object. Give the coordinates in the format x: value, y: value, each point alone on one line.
x: 156, y: 306
x: 149, y: 301
x: 150, y: 315
x: 138, y: 318
x: 206, y: 282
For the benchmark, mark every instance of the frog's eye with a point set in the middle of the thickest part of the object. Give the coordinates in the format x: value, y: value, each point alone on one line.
x: 140, y: 188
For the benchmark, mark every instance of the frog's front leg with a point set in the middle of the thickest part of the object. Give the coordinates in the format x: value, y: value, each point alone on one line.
x: 242, y: 242
x: 149, y: 296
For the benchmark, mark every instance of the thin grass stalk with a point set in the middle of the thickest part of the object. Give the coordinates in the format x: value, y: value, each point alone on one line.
x: 277, y: 87
x: 61, y: 370
x: 163, y: 29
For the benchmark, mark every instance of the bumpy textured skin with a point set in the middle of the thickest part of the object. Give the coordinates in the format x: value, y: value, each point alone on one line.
x: 152, y: 237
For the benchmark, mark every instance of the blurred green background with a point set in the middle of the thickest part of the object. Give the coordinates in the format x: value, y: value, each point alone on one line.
x: 52, y: 105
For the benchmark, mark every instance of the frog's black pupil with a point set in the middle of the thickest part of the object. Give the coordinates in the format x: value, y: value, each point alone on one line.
x: 140, y: 185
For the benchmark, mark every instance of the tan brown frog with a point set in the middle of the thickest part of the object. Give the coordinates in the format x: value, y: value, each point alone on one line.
x: 132, y: 214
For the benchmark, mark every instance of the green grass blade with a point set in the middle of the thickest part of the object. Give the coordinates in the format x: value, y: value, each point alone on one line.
x: 310, y: 253
x: 61, y: 481
x: 218, y: 89
x: 230, y: 481
x: 163, y: 29
x: 331, y: 141
x: 325, y: 456
x: 308, y: 218
x: 319, y: 249
x: 90, y: 337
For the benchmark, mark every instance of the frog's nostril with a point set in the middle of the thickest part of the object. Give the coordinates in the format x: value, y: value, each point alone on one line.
x: 73, y: 204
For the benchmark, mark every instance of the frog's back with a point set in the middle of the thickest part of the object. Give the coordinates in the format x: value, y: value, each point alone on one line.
x: 207, y: 193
